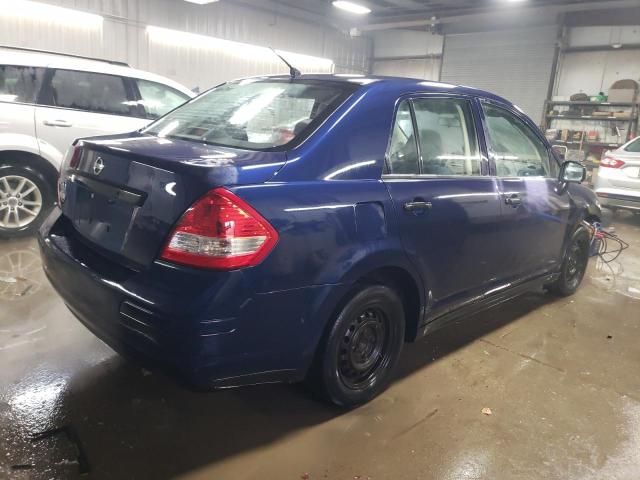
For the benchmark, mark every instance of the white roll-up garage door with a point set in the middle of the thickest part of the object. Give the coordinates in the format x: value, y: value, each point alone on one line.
x: 515, y: 64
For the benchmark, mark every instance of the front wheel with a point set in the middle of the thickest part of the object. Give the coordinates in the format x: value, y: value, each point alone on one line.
x: 574, y: 265
x: 358, y: 355
x: 25, y: 199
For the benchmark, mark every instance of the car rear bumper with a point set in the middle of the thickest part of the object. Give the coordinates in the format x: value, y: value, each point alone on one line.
x: 619, y: 198
x: 208, y: 328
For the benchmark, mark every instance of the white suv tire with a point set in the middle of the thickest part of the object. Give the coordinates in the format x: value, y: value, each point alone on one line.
x: 26, y: 198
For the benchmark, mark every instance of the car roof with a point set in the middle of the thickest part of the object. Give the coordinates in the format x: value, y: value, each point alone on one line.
x: 29, y: 58
x: 403, y: 85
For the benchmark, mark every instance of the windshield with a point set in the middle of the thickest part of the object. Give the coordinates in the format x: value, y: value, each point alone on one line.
x: 254, y: 114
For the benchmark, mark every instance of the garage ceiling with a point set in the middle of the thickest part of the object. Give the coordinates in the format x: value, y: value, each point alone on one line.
x: 394, y: 11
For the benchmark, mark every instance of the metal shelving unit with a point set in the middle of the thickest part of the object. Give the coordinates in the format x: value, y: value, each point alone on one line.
x: 581, y: 121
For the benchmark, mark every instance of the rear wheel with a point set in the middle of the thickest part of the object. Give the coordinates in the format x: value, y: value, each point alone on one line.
x: 25, y: 199
x: 574, y: 265
x: 358, y: 355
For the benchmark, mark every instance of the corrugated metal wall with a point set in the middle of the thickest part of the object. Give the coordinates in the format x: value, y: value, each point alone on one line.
x: 406, y: 53
x: 123, y: 36
x: 515, y: 64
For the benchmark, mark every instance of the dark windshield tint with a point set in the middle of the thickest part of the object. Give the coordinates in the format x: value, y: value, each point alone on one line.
x: 634, y: 146
x: 254, y: 114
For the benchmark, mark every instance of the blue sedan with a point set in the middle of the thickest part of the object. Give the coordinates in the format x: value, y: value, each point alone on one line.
x: 290, y: 228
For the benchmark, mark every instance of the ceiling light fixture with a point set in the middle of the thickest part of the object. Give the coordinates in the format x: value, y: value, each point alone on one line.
x: 201, y: 2
x: 351, y: 7
x: 43, y: 11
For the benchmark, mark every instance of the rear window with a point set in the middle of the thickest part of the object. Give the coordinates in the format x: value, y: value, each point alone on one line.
x: 20, y: 84
x: 254, y: 114
x: 634, y: 146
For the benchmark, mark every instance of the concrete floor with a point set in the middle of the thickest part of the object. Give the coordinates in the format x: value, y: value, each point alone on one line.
x: 559, y: 375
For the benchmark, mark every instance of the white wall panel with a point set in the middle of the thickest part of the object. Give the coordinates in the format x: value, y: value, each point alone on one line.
x: 123, y: 37
x: 595, y: 71
x: 603, y: 35
x: 592, y: 72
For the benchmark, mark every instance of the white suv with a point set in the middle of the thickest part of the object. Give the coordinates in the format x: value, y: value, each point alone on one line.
x: 47, y: 100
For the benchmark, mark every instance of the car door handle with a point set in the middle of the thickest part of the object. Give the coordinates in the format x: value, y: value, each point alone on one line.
x: 57, y: 123
x: 513, y: 199
x: 417, y: 206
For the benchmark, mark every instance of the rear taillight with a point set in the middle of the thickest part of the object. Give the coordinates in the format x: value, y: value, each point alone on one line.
x: 71, y: 160
x: 220, y: 231
x: 611, y: 162
x: 75, y: 156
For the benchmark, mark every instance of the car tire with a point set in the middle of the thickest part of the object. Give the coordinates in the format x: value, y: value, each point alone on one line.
x: 357, y: 356
x: 25, y: 200
x: 574, y: 264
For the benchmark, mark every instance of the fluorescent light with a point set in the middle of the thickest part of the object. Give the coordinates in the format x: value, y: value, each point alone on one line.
x: 201, y: 2
x: 46, y: 12
x: 231, y: 48
x: 351, y: 7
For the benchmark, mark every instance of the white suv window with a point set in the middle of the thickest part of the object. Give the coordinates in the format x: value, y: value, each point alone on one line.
x: 158, y: 99
x: 20, y: 84
x: 93, y: 92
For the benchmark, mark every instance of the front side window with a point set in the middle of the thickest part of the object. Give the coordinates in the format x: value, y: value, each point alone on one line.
x: 20, y: 84
x: 516, y: 149
x: 403, y: 151
x: 446, y: 137
x: 158, y: 99
x: 93, y: 92
x: 254, y: 114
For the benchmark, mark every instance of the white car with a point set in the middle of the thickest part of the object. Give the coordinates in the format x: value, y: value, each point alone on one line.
x: 618, y: 182
x: 47, y: 100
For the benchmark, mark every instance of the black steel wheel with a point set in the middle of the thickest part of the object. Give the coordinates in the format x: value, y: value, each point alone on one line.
x: 574, y: 265
x: 356, y: 358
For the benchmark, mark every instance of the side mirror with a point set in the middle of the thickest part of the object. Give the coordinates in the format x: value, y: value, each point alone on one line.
x: 572, y: 172
x: 560, y: 151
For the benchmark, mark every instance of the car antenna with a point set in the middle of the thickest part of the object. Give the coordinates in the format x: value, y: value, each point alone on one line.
x: 293, y: 71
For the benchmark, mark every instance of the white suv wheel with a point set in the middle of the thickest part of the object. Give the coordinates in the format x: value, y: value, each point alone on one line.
x: 20, y: 202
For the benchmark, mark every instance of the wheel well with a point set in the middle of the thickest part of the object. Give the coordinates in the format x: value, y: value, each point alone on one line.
x: 404, y: 284
x: 592, y: 219
x: 35, y: 162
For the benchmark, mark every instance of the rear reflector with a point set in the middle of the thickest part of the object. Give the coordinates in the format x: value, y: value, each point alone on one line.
x: 220, y: 231
x: 611, y: 162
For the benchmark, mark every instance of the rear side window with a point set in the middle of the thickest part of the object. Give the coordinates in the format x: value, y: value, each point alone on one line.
x: 93, y: 92
x: 158, y: 99
x: 516, y: 149
x: 20, y: 84
x: 634, y: 146
x: 447, y: 137
x: 403, y: 151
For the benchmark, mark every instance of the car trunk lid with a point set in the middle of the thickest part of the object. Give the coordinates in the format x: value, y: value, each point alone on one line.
x: 127, y: 192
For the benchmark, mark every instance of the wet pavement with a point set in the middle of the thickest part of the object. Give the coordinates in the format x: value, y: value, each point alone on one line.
x: 560, y: 377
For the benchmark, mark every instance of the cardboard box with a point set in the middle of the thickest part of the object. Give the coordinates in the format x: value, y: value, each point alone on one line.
x: 626, y: 95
